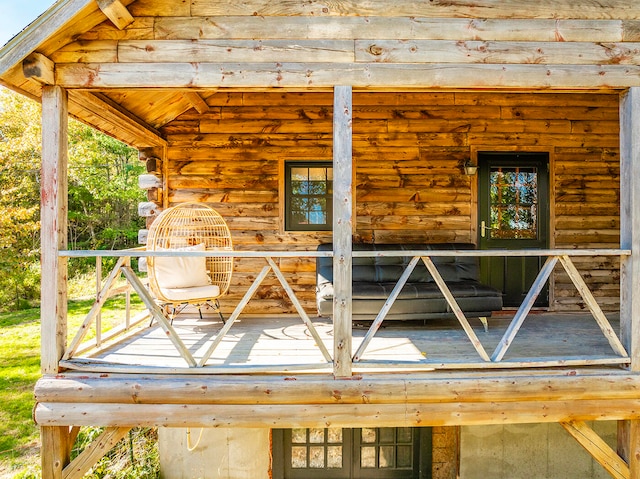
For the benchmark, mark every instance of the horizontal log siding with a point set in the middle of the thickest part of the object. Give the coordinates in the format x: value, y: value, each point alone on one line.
x: 409, y: 152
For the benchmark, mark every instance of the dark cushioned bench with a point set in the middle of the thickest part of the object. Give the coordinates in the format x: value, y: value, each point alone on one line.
x: 375, y: 277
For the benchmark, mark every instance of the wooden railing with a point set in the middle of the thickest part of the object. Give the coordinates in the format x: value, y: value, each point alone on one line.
x: 123, y: 268
x: 554, y: 257
x: 106, y: 289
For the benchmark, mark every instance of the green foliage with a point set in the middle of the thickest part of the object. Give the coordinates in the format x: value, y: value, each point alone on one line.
x: 20, y: 200
x: 134, y: 456
x: 19, y: 371
x: 103, y: 191
x: 103, y: 197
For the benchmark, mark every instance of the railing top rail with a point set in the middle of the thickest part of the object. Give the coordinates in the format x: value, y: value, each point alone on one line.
x: 141, y: 252
x: 496, y: 252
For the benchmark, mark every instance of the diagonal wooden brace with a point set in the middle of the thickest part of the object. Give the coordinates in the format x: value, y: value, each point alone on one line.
x: 157, y: 313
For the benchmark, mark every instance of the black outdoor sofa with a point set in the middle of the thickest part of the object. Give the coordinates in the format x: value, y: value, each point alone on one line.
x: 375, y: 277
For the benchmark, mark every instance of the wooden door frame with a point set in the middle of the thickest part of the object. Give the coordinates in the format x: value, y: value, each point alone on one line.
x: 475, y: 150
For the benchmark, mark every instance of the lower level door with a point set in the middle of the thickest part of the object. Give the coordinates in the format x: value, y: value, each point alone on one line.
x: 366, y: 453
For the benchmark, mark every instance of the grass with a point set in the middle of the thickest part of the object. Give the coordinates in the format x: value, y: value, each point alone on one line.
x: 19, y: 371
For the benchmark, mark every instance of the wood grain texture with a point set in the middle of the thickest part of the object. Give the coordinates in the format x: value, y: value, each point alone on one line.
x: 409, y: 150
x: 54, y: 207
x: 416, y: 27
x: 362, y: 75
x: 545, y: 9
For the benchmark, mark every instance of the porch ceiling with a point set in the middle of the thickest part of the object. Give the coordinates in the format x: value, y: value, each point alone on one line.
x: 133, y: 66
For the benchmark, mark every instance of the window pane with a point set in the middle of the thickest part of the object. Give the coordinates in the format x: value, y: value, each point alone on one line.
x: 299, y: 174
x: 316, y: 457
x: 316, y: 218
x: 368, y: 435
x: 299, y: 187
x: 387, y: 458
x: 368, y: 457
x: 316, y: 435
x: 299, y: 457
x: 299, y: 435
x: 404, y: 457
x: 405, y: 435
x: 335, y: 435
x: 334, y: 456
x: 387, y: 435
x: 318, y: 174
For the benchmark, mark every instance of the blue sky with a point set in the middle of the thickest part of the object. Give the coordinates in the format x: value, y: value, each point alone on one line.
x: 15, y: 15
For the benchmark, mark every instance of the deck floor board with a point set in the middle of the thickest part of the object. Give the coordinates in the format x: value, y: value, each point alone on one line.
x: 285, y: 340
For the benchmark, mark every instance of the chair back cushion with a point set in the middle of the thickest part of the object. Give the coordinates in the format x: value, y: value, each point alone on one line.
x: 181, y: 271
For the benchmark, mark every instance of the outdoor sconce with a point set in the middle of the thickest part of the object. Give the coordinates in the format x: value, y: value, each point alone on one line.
x: 470, y: 169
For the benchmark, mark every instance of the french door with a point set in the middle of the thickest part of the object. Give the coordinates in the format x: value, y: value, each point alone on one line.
x: 513, y: 200
x: 366, y: 453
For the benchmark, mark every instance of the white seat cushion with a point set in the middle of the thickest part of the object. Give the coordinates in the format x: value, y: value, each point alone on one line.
x: 189, y: 294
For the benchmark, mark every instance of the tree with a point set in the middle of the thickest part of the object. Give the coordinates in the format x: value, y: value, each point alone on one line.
x: 103, y: 196
x: 20, y: 200
x: 103, y: 191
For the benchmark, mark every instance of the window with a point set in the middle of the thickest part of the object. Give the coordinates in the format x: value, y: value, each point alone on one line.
x: 308, y: 196
x: 513, y: 196
x: 382, y: 453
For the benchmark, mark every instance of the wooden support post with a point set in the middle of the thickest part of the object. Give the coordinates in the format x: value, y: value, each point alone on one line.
x: 629, y: 431
x: 55, y: 450
x: 342, y: 228
x: 53, y: 218
x: 630, y: 224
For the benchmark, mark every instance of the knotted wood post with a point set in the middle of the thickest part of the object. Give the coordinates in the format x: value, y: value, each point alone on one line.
x: 53, y: 297
x: 342, y: 229
x: 629, y: 431
x: 53, y: 217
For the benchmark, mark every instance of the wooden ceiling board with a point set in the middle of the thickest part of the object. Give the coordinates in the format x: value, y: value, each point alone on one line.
x: 156, y: 107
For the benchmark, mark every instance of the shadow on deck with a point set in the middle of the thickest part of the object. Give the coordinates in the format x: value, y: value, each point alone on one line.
x: 282, y: 344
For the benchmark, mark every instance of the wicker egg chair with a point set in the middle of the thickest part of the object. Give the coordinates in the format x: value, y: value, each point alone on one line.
x: 179, y: 281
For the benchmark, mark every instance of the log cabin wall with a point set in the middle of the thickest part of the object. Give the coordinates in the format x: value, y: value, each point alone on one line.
x: 409, y: 150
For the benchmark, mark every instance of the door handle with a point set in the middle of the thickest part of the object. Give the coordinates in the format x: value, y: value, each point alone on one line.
x: 484, y: 228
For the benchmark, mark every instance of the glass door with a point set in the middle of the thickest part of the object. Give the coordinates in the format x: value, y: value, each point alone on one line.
x: 367, y: 453
x: 513, y: 214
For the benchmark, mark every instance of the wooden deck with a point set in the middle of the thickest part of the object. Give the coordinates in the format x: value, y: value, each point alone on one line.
x: 280, y: 344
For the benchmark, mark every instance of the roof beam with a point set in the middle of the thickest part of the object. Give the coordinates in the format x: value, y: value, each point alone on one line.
x: 366, y: 75
x: 40, y: 68
x: 543, y: 9
x: 196, y: 101
x: 114, y: 114
x: 116, y: 12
